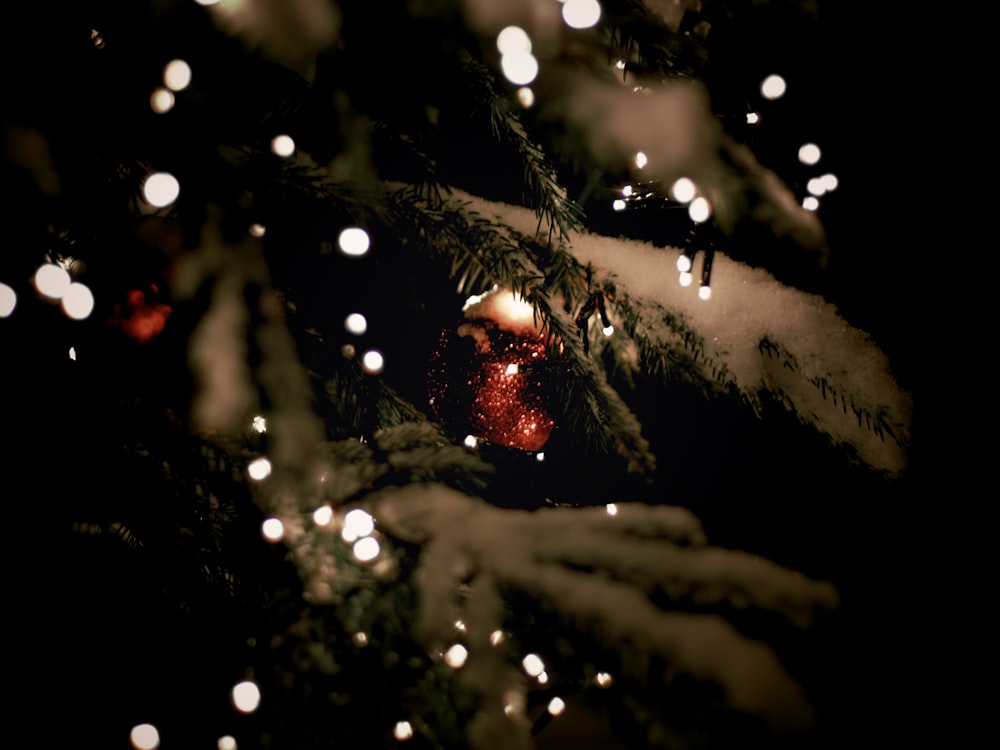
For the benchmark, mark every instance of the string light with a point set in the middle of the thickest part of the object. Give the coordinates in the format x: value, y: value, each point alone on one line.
x: 773, y: 87
x: 809, y: 153
x: 683, y: 190
x: 259, y: 468
x: 581, y: 14
x: 556, y: 706
x: 367, y: 549
x: 144, y: 737
x: 259, y: 424
x: 272, y: 529
x: 162, y: 100
x: 52, y: 280
x: 611, y: 509
x: 245, y: 696
x: 283, y: 145
x: 533, y: 665
x: 356, y: 323
x: 226, y: 742
x: 177, y: 75
x: 353, y: 241
x: 373, y: 362
x: 160, y: 189
x: 603, y: 679
x: 700, y: 210
x: 455, y: 656
x: 257, y: 230
x: 323, y: 515
x: 8, y: 300
x: 402, y: 731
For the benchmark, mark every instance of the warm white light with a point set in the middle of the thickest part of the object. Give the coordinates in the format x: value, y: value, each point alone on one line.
x: 581, y: 14
x: 78, y: 302
x: 519, y: 67
x: 540, y: 456
x: 455, y: 656
x: 257, y: 230
x: 360, y: 522
x: 641, y: 160
x: 533, y: 665
x: 773, y: 87
x: 226, y: 742
x: 752, y: 118
x: 511, y: 369
x: 72, y: 353
x: 360, y: 638
x: 8, y: 300
x: 161, y: 100
x: 816, y: 186
x: 683, y: 263
x: 700, y: 209
x: 259, y: 424
x: 177, y: 75
x: 497, y: 637
x: 704, y: 292
x: 52, y: 280
x: 556, y: 706
x: 608, y: 330
x: 246, y: 696
x: 809, y: 153
x: 259, y: 468
x: 618, y: 204
x: 513, y: 39
x: 627, y: 191
x: 323, y: 515
x: 683, y: 190
x: 603, y: 679
x: 283, y: 145
x: 513, y: 308
x: 513, y: 703
x: 525, y: 97
x: 367, y: 549
x: 470, y: 441
x: 144, y: 737
x: 403, y: 731
x: 810, y: 203
x: 685, y: 279
x: 373, y: 362
x: 356, y: 323
x: 830, y: 181
x: 160, y: 189
x: 543, y: 678
x: 272, y: 529
x: 353, y: 241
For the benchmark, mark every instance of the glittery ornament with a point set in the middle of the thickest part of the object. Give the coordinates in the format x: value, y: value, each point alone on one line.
x: 487, y: 377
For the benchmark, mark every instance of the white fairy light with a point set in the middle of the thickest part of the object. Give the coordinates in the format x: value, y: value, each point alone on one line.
x: 52, y: 280
x: 283, y: 145
x: 581, y: 14
x: 700, y: 209
x: 373, y: 362
x: 272, y: 529
x: 177, y: 75
x: 497, y: 637
x: 353, y: 241
x: 259, y: 424
x: 366, y: 549
x: 402, y: 731
x: 641, y: 160
x: 519, y: 67
x: 257, y: 230
x: 259, y: 468
x: 511, y: 369
x: 683, y: 263
x: 360, y: 522
x: 773, y: 87
x: 618, y: 204
x: 556, y: 706
x: 830, y: 181
x: 356, y: 323
x: 470, y: 441
x: 323, y: 515
x: 705, y: 292
x: 513, y: 39
x: 161, y: 100
x: 160, y: 189
x: 603, y: 679
x: 608, y: 330
x: 752, y: 118
x: 144, y: 737
x: 78, y: 302
x: 685, y: 279
x: 809, y: 153
x: 455, y: 656
x: 683, y: 190
x: 611, y: 509
x: 810, y: 203
x: 8, y: 300
x: 540, y: 456
x: 533, y: 665
x: 526, y: 96
x: 245, y: 696
x: 226, y: 742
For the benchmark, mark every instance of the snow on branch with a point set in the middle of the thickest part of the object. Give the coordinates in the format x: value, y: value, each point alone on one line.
x: 756, y: 334
x: 595, y: 571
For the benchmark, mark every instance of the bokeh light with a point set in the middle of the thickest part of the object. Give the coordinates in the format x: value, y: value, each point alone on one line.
x: 245, y: 696
x: 683, y: 190
x: 372, y: 362
x: 272, y: 529
x: 641, y: 160
x: 455, y: 656
x: 700, y: 209
x: 177, y: 75
x: 525, y: 96
x: 356, y: 323
x: 78, y: 301
x: 367, y: 549
x: 162, y: 100
x: 257, y: 230
x: 144, y: 737
x: 556, y: 706
x: 520, y: 68
x: 581, y: 14
x: 8, y: 300
x: 353, y: 241
x: 160, y: 189
x: 226, y: 742
x: 323, y: 515
x: 512, y: 40
x: 52, y: 280
x: 283, y: 145
x: 259, y: 468
x: 402, y: 731
x: 773, y: 87
x: 809, y: 153
x: 357, y: 523
x: 533, y: 664
x: 810, y: 203
x: 704, y: 292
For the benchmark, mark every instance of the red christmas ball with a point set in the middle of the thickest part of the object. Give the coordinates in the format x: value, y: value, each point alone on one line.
x: 487, y: 378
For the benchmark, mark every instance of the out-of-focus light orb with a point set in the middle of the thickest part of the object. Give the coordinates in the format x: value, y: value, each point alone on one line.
x: 359, y: 521
x: 752, y: 118
x: 78, y: 302
x: 72, y: 353
x: 543, y: 678
x: 353, y: 241
x: 226, y: 742
x: 519, y: 67
x: 513, y: 703
x: 272, y: 529
x: 556, y: 706
x: 323, y: 515
x: 177, y: 75
x: 683, y: 263
x: 627, y: 190
x: 52, y: 280
x: 245, y: 696
x: 97, y: 39
x: 512, y: 369
x: 259, y: 424
x: 160, y: 189
x: 608, y: 330
x: 360, y: 638
x: 497, y: 637
x: 611, y: 509
x: 455, y: 656
x: 367, y: 549
x: 258, y: 230
x: 162, y: 100
x: 259, y: 468
x: 685, y: 279
x: 207, y: 2
x: 603, y: 679
x: 470, y: 441
x: 700, y: 209
x: 683, y: 190
x: 533, y: 665
x: 810, y: 203
x: 356, y: 323
x: 809, y: 153
x: 618, y: 204
x: 144, y: 737
x: 830, y: 181
x: 8, y: 300
x: 283, y: 145
x: 372, y: 362
x: 815, y: 186
x: 705, y: 292
x: 513, y: 39
x: 581, y: 14
x: 526, y: 97
x: 773, y: 87
x: 402, y: 731
x: 641, y: 160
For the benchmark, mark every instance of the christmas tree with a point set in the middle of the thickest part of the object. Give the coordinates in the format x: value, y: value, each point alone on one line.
x: 480, y: 374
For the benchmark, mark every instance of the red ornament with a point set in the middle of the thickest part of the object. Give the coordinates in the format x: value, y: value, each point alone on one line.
x: 487, y: 377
